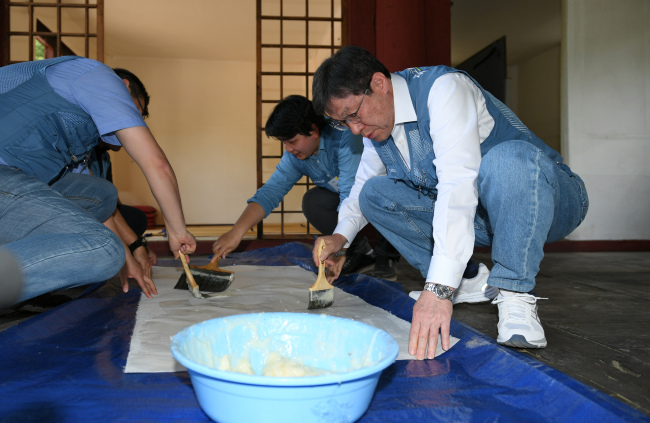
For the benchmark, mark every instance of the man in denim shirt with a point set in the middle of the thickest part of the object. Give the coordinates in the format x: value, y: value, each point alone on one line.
x: 329, y: 156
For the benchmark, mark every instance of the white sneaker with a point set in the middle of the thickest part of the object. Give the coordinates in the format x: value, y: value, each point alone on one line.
x: 519, y: 326
x: 475, y: 290
x: 415, y: 294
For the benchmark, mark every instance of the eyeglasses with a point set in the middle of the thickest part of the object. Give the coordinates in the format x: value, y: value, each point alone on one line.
x: 353, y: 117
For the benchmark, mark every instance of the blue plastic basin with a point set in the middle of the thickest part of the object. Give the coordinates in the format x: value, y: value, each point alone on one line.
x: 352, y: 353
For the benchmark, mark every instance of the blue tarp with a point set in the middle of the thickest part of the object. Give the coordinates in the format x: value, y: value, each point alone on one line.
x: 66, y: 365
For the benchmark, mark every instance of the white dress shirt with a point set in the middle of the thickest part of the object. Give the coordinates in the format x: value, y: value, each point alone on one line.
x: 459, y: 123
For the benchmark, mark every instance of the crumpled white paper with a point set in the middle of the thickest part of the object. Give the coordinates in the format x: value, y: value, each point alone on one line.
x: 255, y: 289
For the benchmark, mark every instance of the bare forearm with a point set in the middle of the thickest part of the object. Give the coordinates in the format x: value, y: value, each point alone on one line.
x: 164, y: 187
x: 143, y: 148
x: 128, y: 237
x: 253, y: 214
x: 125, y: 232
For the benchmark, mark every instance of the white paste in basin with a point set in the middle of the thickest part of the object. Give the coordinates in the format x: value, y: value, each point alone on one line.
x: 275, y: 366
x: 279, y: 366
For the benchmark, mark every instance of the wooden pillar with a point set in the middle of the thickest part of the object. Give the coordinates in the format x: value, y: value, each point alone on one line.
x: 438, y: 35
x: 361, y: 24
x: 402, y: 34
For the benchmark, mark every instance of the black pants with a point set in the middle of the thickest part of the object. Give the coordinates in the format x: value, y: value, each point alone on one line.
x: 319, y: 205
x: 135, y: 218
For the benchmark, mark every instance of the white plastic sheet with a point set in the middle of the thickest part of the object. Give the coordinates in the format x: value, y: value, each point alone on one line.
x: 255, y: 289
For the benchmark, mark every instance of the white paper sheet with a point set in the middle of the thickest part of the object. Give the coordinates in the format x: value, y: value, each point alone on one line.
x: 255, y: 289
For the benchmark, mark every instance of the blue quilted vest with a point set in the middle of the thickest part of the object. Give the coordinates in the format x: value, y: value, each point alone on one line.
x: 42, y: 133
x: 422, y: 174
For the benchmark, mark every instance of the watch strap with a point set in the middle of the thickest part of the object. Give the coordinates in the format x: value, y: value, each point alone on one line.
x: 140, y: 242
x: 443, y: 292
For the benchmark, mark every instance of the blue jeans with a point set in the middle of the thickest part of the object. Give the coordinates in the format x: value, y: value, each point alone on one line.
x: 93, y: 194
x: 57, y: 244
x: 98, y: 197
x: 525, y: 201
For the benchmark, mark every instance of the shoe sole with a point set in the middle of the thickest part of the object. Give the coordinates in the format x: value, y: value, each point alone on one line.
x: 477, y: 297
x: 520, y: 341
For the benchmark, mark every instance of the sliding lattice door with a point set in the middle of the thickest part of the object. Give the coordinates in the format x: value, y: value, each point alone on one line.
x: 293, y: 38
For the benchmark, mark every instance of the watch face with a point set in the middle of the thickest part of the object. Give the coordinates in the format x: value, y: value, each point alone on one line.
x: 442, y: 291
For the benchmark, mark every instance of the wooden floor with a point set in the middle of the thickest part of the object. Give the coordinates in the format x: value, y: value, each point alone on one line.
x: 596, y: 318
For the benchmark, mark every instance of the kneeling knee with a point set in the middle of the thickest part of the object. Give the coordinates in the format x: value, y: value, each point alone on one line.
x: 372, y: 193
x: 510, y: 153
x: 510, y: 160
x: 106, y: 208
x: 110, y: 250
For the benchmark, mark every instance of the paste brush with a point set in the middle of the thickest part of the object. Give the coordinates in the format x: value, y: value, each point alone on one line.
x: 209, y: 278
x: 321, y: 293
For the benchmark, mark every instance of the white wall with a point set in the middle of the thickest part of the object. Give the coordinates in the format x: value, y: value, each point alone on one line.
x: 202, y: 113
x: 538, y: 102
x: 203, y: 102
x: 606, y: 113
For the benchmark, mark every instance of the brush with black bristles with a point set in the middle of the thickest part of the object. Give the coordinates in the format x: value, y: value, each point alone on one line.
x: 321, y: 293
x: 207, y: 278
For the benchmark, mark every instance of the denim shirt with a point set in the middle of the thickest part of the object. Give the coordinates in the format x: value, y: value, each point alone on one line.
x: 339, y: 154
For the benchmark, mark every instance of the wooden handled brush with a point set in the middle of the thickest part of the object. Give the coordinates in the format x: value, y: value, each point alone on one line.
x: 321, y: 293
x: 193, y: 287
x: 214, y: 267
x: 209, y: 278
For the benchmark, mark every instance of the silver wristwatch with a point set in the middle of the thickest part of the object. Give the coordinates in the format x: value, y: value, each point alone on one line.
x: 443, y: 292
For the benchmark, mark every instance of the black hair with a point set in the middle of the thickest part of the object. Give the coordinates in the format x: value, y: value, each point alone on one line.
x: 348, y: 72
x: 292, y: 116
x: 138, y: 91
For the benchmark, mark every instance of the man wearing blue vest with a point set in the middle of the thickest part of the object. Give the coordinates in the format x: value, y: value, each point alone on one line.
x: 80, y: 187
x: 447, y: 166
x: 329, y: 156
x: 53, y: 113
